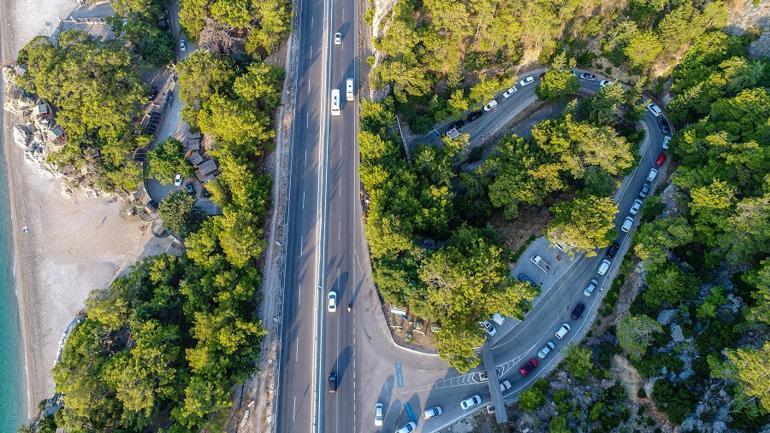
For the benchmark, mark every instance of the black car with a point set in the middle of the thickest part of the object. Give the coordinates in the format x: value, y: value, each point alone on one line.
x: 333, y: 381
x: 474, y: 115
x: 664, y: 126
x: 190, y: 189
x: 577, y: 311
x: 525, y: 278
x: 458, y: 124
x: 612, y: 250
x: 587, y: 76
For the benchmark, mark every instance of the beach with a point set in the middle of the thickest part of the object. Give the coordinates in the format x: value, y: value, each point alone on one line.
x: 69, y: 245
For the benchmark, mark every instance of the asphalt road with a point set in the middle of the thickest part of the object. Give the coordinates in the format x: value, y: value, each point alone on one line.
x: 326, y: 250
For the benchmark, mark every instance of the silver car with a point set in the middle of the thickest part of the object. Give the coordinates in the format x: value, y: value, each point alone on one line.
x: 589, y: 290
x: 549, y: 346
x: 470, y: 402
x: 378, y: 414
x: 432, y: 412
x: 635, y: 207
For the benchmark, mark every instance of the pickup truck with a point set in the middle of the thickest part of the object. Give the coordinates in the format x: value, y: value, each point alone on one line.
x: 540, y: 263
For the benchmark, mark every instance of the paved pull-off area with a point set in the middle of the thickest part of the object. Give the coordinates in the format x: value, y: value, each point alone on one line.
x: 337, y: 365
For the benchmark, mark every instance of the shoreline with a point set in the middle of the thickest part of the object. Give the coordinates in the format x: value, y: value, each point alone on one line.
x: 5, y: 55
x: 74, y: 244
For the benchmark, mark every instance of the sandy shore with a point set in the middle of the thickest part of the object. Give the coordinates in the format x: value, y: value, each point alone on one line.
x: 74, y: 244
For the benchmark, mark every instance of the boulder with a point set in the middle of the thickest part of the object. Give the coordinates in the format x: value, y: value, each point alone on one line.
x: 676, y: 334
x: 665, y: 317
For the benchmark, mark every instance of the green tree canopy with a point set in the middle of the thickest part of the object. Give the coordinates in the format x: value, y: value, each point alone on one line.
x: 636, y: 333
x: 583, y: 225
x: 179, y: 213
x: 167, y: 159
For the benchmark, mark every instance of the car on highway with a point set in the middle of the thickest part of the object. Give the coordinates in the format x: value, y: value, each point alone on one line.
x: 432, y: 412
x: 527, y: 368
x: 654, y: 109
x: 335, y: 102
x: 664, y: 126
x: 565, y: 328
x: 333, y: 381
x: 589, y: 290
x: 612, y: 250
x: 635, y: 206
x: 652, y: 174
x: 507, y: 94
x: 577, y: 311
x: 549, y: 346
x: 488, y: 327
x: 587, y: 76
x: 178, y: 179
x: 661, y: 159
x: 474, y: 115
x: 379, y: 414
x: 527, y: 81
x: 666, y: 140
x: 407, y: 428
x: 332, y: 307
x: 627, y: 223
x: 604, y: 266
x: 505, y: 385
x: 337, y: 38
x: 182, y: 45
x: 605, y: 83
x: 470, y: 402
x: 491, y: 105
x: 349, y: 96
x: 645, y: 190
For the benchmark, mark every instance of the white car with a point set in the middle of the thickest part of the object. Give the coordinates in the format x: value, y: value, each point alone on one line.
x: 507, y: 94
x: 432, y: 412
x: 332, y: 301
x: 527, y: 81
x: 499, y: 319
x: 488, y: 327
x: 565, y: 328
x: 491, y: 105
x: 652, y: 174
x: 470, y: 402
x: 605, y: 83
x: 505, y: 385
x: 589, y: 290
x: 654, y: 109
x: 604, y: 267
x: 666, y: 139
x: 349, y: 90
x: 549, y: 346
x: 378, y: 414
x: 178, y: 179
x: 635, y: 206
x: 335, y: 102
x: 337, y: 38
x: 627, y: 223
x: 407, y: 428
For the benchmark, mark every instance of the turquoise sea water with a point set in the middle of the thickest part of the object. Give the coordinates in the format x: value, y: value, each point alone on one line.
x: 12, y: 387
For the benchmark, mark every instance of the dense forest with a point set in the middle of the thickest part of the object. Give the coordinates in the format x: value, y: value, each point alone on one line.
x: 443, y: 56
x: 700, y: 256
x: 162, y: 347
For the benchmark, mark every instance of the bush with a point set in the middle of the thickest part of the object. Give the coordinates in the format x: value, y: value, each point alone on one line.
x: 578, y: 362
x: 675, y: 400
x: 534, y: 397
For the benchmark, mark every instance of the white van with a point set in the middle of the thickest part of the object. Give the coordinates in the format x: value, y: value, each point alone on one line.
x: 335, y: 102
x: 497, y: 318
x: 349, y: 89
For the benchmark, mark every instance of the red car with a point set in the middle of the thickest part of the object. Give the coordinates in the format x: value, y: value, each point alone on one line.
x: 528, y: 367
x: 661, y: 159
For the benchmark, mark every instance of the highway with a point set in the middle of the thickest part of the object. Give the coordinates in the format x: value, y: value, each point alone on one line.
x: 326, y: 250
